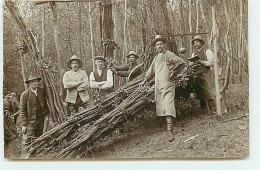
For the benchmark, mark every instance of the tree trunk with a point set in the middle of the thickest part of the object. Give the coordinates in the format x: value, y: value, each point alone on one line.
x: 91, y: 36
x: 43, y: 31
x: 183, y: 40
x: 107, y: 28
x: 79, y: 31
x: 215, y: 31
x: 125, y: 30
x: 57, y: 45
x: 197, y: 16
x: 169, y: 29
x: 56, y: 38
x: 190, y: 23
x: 144, y: 24
x: 240, y: 41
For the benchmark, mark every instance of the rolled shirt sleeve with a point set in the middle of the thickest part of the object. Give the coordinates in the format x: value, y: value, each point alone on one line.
x: 210, y: 58
x: 109, y: 81
x: 92, y: 81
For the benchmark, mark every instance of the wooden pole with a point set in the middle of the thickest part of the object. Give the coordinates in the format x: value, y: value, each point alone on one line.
x: 216, y: 72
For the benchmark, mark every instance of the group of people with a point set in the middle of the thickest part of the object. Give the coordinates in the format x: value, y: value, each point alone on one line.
x: 165, y: 67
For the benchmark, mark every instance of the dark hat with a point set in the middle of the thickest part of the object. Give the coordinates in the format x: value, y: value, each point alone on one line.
x: 32, y: 77
x: 74, y: 57
x: 132, y: 52
x: 100, y: 58
x: 197, y: 37
x: 158, y: 38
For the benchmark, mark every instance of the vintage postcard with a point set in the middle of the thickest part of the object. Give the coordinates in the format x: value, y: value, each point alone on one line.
x: 101, y: 79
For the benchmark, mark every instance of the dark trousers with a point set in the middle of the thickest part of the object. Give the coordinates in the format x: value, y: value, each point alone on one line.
x: 208, y: 103
x: 34, y: 130
x: 75, y: 107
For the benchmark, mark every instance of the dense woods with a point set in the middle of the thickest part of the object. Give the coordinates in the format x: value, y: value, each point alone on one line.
x: 41, y: 36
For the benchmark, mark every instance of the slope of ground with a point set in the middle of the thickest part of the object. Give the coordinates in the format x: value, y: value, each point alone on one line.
x: 198, y: 135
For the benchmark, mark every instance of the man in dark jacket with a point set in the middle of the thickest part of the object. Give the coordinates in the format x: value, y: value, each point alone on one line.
x: 131, y: 70
x: 33, y: 112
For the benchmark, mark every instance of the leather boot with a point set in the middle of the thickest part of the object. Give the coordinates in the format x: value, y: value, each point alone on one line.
x: 171, y: 135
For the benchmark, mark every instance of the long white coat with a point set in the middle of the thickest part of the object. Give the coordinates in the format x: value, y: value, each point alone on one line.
x: 164, y: 86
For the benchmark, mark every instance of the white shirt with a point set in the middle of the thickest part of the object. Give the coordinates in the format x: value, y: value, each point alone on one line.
x: 108, y: 83
x: 34, y: 91
x: 210, y: 58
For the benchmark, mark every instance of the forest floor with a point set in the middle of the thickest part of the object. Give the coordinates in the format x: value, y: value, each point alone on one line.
x: 198, y: 135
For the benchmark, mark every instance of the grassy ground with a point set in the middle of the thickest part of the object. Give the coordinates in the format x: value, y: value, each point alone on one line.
x: 146, y: 137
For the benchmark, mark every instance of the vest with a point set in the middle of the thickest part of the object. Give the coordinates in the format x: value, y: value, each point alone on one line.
x: 103, y: 76
x: 201, y: 53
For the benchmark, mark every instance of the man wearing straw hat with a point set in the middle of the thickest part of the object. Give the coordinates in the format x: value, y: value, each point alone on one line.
x: 101, y: 79
x: 33, y: 112
x: 165, y: 67
x: 76, y: 83
x: 131, y: 70
x: 204, y: 83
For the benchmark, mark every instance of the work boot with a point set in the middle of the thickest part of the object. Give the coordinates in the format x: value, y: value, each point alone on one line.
x: 171, y: 135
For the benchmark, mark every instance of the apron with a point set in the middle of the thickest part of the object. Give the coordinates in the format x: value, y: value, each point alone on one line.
x: 164, y: 88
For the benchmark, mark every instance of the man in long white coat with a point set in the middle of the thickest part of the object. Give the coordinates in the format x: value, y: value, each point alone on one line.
x: 165, y: 67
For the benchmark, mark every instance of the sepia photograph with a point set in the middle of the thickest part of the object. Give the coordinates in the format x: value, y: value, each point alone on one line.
x: 125, y: 79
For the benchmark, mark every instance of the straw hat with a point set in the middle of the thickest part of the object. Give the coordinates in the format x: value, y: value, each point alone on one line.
x: 159, y: 38
x: 132, y: 52
x: 74, y: 57
x: 197, y: 37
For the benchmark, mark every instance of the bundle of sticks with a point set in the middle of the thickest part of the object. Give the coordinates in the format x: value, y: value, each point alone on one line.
x: 61, y: 135
x: 77, y: 134
x: 10, y: 130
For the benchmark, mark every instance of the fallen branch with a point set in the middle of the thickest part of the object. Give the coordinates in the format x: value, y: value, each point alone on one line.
x: 235, y: 118
x: 193, y: 137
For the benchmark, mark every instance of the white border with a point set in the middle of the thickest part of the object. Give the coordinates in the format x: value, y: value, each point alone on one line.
x: 253, y: 162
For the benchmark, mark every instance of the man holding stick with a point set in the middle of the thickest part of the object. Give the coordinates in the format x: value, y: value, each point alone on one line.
x: 165, y: 67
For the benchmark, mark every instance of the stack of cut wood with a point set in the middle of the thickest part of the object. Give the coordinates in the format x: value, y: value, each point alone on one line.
x: 76, y: 135
x: 62, y: 135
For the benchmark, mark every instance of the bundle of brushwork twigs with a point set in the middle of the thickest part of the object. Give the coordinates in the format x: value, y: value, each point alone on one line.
x: 77, y: 134
x: 62, y: 135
